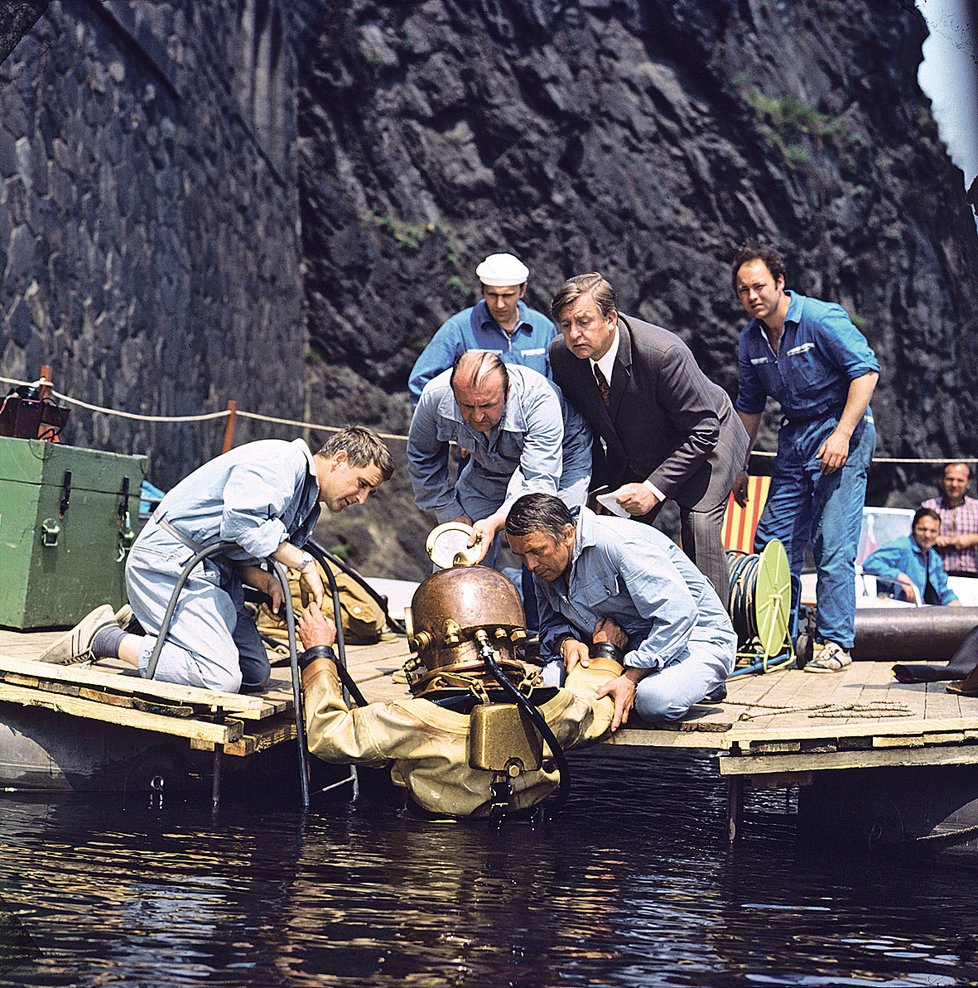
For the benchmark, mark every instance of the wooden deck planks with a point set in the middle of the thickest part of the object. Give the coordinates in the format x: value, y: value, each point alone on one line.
x: 118, y: 680
x: 74, y: 706
x: 764, y: 727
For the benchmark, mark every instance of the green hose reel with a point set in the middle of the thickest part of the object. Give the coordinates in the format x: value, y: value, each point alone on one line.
x: 760, y: 606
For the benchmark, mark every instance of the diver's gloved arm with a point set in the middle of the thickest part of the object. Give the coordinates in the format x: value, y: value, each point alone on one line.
x: 334, y: 732
x: 584, y: 682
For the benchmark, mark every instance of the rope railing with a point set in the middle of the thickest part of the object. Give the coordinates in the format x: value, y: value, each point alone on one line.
x: 230, y: 412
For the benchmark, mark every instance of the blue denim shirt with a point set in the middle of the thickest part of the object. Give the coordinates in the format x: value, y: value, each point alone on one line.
x: 905, y: 556
x: 639, y: 577
x: 475, y: 329
x: 820, y: 354
x: 541, y: 444
x: 258, y: 495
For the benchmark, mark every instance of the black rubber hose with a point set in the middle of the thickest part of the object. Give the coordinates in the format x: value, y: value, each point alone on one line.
x: 323, y: 554
x: 298, y: 698
x: 300, y: 726
x: 320, y: 555
x: 539, y: 721
x: 297, y: 691
x: 211, y: 550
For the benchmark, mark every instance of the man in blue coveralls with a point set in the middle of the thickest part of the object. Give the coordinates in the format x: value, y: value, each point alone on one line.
x: 911, y: 565
x: 609, y: 588
x: 809, y: 356
x: 501, y: 323
x: 264, y: 497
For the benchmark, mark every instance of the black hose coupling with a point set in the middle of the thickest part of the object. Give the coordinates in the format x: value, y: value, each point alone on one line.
x: 605, y: 650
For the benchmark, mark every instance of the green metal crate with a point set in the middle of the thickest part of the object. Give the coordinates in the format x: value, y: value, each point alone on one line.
x: 67, y: 520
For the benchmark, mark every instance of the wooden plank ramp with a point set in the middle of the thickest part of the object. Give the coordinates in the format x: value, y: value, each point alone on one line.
x: 112, y: 693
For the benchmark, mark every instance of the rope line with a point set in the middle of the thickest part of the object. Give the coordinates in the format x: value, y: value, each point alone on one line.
x: 872, y: 709
x: 203, y: 417
x: 299, y: 424
x: 308, y: 425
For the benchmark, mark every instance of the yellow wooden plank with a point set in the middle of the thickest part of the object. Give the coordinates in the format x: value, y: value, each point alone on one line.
x: 946, y: 737
x: 910, y: 741
x: 774, y: 747
x: 966, y: 754
x: 889, y: 726
x: 248, y: 706
x: 124, y: 717
x: 649, y: 737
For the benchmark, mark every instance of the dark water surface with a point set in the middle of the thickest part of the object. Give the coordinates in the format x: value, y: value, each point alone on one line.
x: 632, y: 885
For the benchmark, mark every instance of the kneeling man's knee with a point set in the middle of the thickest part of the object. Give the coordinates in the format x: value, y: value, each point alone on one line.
x: 658, y: 705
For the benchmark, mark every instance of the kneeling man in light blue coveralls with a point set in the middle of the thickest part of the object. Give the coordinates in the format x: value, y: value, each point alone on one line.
x: 264, y: 498
x: 809, y: 356
x: 521, y: 436
x: 616, y: 588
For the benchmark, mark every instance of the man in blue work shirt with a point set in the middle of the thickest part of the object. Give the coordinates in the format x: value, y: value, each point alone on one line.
x: 809, y: 356
x: 501, y: 323
x: 521, y: 435
x: 912, y: 565
x: 606, y: 587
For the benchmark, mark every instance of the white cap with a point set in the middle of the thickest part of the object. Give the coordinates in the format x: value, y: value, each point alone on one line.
x: 502, y: 270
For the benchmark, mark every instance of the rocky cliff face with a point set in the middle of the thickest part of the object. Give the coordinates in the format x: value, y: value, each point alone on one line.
x: 643, y: 139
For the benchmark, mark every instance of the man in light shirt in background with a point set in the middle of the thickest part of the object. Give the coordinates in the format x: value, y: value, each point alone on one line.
x: 502, y: 323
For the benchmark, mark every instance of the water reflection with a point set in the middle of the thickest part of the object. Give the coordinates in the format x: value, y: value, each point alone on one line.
x: 632, y: 885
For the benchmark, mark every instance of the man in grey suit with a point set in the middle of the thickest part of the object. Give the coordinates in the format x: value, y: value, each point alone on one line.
x: 666, y: 430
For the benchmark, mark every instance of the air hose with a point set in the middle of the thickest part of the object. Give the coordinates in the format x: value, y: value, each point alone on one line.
x: 744, y: 569
x: 300, y: 726
x: 558, y: 799
x: 743, y: 581
x: 323, y: 554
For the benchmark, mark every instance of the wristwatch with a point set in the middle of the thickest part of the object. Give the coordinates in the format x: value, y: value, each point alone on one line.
x: 306, y: 561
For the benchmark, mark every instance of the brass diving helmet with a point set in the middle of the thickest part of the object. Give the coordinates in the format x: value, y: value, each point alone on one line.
x: 464, y: 625
x: 447, y: 611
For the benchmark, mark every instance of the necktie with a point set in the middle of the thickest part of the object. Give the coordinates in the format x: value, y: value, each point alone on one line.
x: 603, y: 386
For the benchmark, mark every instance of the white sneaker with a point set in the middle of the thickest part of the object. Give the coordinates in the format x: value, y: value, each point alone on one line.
x: 829, y: 657
x: 76, y: 645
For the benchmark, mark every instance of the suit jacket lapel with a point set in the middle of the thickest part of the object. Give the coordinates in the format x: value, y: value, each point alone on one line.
x: 621, y: 376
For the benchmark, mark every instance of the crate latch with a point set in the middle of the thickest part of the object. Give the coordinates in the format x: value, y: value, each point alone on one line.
x: 124, y: 523
x: 50, y: 530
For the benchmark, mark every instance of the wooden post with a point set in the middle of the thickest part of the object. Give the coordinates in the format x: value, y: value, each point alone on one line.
x: 216, y: 776
x: 45, y: 376
x: 735, y: 806
x: 229, y: 426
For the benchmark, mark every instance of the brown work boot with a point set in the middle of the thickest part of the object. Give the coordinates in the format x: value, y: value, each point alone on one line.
x: 965, y: 687
x: 76, y: 645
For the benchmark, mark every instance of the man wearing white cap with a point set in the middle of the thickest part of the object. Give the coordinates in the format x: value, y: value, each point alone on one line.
x: 501, y: 323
